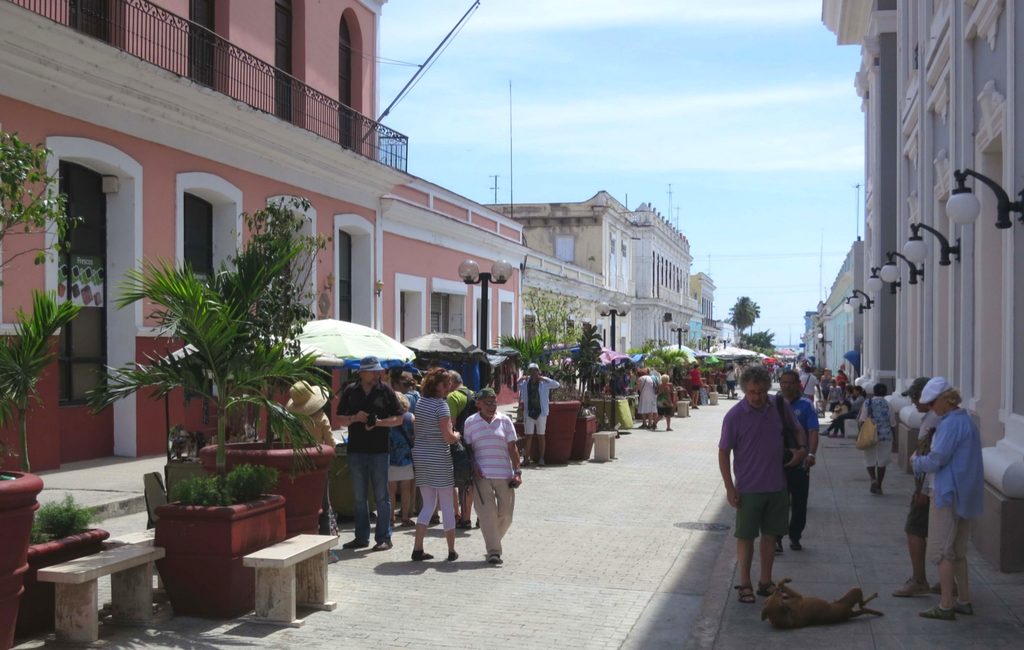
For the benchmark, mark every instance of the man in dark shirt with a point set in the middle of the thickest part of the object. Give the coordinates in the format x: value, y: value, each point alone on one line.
x: 369, y: 409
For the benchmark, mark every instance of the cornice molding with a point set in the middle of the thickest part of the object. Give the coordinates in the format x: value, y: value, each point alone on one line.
x: 983, y: 20
x: 993, y: 115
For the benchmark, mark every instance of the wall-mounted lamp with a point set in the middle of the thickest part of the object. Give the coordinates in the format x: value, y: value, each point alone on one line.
x: 891, y: 273
x: 874, y: 282
x: 963, y: 207
x: 917, y: 251
x: 858, y: 303
x: 378, y: 288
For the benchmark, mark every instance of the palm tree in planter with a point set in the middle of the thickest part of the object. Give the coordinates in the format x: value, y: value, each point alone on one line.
x: 225, y: 361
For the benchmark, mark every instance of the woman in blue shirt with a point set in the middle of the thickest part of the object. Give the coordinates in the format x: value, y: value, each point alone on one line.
x: 955, y: 461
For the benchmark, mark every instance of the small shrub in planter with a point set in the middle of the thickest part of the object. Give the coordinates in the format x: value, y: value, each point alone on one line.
x: 61, y: 519
x: 242, y: 484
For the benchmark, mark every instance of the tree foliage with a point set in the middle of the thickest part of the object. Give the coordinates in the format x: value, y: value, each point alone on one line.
x: 744, y: 313
x: 763, y: 342
x: 29, y: 201
x: 552, y: 313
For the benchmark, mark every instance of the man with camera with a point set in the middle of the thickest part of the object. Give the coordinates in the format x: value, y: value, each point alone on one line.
x: 369, y: 409
x: 492, y: 437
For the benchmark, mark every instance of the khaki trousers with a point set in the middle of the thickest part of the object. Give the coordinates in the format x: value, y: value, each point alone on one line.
x: 495, y: 501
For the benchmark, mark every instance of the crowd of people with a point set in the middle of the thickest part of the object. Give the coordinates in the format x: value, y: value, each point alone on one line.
x: 769, y: 444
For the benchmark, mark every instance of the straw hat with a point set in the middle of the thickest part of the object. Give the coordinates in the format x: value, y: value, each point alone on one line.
x: 306, y: 399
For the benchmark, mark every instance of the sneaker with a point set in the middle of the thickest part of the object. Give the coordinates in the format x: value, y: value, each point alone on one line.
x: 419, y: 556
x: 796, y: 545
x: 355, y: 543
x: 452, y: 556
x: 875, y: 488
x: 541, y: 462
x: 939, y: 613
x: 494, y: 558
x: 966, y: 609
x: 911, y: 588
x: 778, y: 546
x: 384, y: 545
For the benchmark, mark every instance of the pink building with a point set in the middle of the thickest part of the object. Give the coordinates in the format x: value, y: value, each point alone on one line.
x: 167, y: 120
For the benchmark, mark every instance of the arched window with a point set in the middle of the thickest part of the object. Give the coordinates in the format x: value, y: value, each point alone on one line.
x: 346, y: 116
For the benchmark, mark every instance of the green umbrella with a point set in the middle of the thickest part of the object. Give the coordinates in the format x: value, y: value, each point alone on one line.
x: 341, y: 343
x: 712, y: 360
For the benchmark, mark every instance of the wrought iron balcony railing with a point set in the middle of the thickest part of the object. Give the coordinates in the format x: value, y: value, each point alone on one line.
x: 183, y: 47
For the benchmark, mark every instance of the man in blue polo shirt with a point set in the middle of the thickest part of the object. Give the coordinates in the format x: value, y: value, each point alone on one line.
x: 799, y: 477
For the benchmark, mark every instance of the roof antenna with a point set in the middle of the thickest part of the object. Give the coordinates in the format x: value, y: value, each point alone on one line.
x: 426, y: 64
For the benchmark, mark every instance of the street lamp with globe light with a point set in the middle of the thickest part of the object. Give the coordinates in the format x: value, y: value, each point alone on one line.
x: 916, y: 250
x: 874, y: 283
x: 963, y: 207
x: 470, y: 273
x: 613, y: 311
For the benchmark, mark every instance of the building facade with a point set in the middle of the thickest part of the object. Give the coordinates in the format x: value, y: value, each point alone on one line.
x: 167, y: 121
x: 838, y: 330
x: 705, y: 331
x: 940, y: 87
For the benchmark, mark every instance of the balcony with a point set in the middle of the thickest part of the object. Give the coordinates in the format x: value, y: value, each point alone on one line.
x: 175, y: 44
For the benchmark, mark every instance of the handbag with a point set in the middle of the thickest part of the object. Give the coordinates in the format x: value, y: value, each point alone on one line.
x: 462, y: 462
x: 867, y: 437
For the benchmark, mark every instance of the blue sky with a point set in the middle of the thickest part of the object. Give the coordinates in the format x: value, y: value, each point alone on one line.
x: 746, y: 107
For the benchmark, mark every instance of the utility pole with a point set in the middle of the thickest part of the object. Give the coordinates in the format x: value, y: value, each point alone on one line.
x: 495, y: 187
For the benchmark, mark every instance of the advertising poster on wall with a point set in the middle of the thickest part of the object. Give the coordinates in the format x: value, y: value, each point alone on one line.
x: 80, y: 280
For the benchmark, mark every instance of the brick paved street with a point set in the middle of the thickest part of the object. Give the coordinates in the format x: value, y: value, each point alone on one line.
x: 596, y: 558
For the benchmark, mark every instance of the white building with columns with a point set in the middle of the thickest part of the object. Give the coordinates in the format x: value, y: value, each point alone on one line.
x: 939, y: 86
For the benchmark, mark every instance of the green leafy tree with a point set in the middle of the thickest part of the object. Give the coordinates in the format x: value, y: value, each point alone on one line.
x: 744, y: 313
x: 280, y: 311
x: 24, y: 356
x: 29, y: 201
x: 763, y: 342
x: 552, y: 313
x: 588, y: 359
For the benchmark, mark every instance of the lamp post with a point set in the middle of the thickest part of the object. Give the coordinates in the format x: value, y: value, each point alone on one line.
x: 963, y: 207
x: 609, y: 310
x: 874, y: 282
x: 891, y: 273
x: 470, y: 273
x: 679, y: 336
x: 855, y: 301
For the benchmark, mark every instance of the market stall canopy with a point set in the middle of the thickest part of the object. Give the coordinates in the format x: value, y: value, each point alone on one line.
x: 685, y: 348
x: 444, y: 346
x: 341, y: 343
x: 610, y: 357
x: 733, y: 352
x: 853, y: 357
x: 712, y: 360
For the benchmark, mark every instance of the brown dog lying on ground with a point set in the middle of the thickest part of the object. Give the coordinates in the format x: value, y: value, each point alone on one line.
x: 788, y: 610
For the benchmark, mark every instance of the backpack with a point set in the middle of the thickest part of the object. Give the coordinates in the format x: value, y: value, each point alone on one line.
x: 470, y: 409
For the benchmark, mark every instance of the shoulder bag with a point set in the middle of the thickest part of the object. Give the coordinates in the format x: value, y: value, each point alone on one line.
x: 788, y: 432
x: 867, y: 437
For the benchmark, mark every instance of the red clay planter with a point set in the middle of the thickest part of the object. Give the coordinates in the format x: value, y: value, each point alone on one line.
x: 203, y: 571
x: 303, y: 492
x: 35, y: 614
x: 583, y: 437
x: 560, y: 430
x: 17, y: 508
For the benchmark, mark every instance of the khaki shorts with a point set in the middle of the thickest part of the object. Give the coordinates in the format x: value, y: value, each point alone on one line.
x: 535, y: 426
x: 947, y: 535
x: 762, y: 513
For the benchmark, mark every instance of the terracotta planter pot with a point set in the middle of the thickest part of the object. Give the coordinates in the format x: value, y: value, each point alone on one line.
x: 17, y: 508
x: 203, y: 571
x: 583, y: 437
x: 561, y: 427
x: 36, y: 612
x: 303, y: 492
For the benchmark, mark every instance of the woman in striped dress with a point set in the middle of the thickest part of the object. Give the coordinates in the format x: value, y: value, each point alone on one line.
x: 432, y: 459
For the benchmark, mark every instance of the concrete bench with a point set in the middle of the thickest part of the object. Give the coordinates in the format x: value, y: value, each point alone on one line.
x: 76, y: 611
x: 144, y: 538
x: 289, y: 574
x: 604, y: 446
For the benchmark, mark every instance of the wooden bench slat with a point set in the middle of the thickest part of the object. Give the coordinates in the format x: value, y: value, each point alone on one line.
x: 89, y: 568
x: 290, y: 551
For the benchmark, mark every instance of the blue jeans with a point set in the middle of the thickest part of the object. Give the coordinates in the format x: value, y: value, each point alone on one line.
x: 373, y: 468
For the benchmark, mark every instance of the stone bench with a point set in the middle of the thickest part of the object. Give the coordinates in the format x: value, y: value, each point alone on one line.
x: 713, y: 398
x: 76, y: 611
x: 683, y: 408
x: 289, y: 574
x: 604, y: 446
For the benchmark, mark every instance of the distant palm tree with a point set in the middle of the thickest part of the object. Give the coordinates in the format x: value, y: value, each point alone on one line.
x: 744, y: 313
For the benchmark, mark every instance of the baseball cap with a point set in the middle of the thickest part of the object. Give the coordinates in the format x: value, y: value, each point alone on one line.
x: 935, y: 387
x: 533, y: 366
x: 485, y: 393
x: 914, y: 392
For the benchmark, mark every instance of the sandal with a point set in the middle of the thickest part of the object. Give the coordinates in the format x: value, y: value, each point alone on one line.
x: 765, y: 588
x: 746, y: 595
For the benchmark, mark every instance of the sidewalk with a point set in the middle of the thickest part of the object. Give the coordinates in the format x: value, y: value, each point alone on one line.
x: 635, y: 553
x: 112, y: 486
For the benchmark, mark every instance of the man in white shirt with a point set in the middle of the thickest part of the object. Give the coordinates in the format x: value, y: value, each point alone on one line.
x: 534, y: 390
x: 492, y: 437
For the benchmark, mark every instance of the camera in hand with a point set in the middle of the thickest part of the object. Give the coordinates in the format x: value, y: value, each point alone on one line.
x: 371, y: 421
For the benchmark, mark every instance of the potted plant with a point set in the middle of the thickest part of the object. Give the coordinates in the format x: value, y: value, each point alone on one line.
x: 28, y: 203
x: 211, y: 524
x: 588, y: 370
x: 60, y: 533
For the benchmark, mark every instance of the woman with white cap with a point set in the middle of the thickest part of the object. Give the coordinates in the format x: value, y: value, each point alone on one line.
x: 957, y: 496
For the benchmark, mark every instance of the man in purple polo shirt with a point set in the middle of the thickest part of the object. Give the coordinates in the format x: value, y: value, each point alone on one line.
x: 752, y: 434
